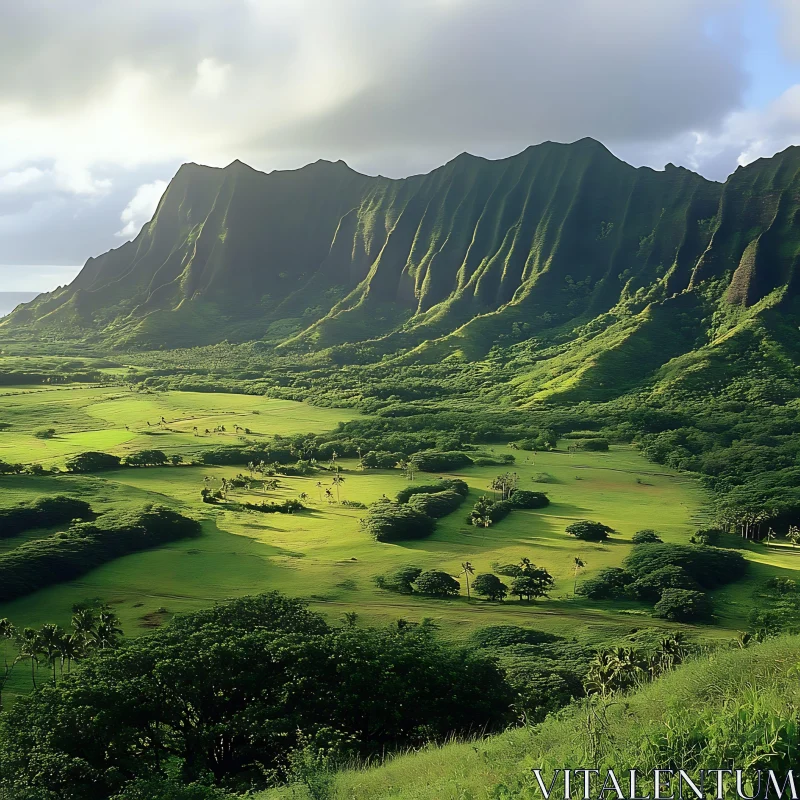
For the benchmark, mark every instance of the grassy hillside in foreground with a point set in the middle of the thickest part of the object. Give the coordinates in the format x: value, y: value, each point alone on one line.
x: 732, y: 707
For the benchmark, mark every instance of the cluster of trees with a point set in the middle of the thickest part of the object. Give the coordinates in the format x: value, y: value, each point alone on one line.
x: 529, y: 582
x: 151, y: 458
x: 488, y: 511
x: 674, y: 577
x: 617, y: 669
x: 85, y: 545
x: 414, y: 514
x: 589, y: 531
x: 228, y: 695
x: 94, y: 628
x: 42, y: 513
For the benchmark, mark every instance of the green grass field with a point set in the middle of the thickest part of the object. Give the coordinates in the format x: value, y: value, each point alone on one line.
x: 321, y: 554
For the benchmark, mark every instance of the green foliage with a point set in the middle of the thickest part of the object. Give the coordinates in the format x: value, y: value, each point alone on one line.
x: 261, y: 676
x: 42, y: 513
x: 532, y: 583
x: 45, y: 433
x: 92, y: 462
x: 709, y: 566
x: 652, y: 585
x: 593, y: 445
x: 400, y: 580
x: 589, y: 531
x: 392, y: 522
x: 522, y: 498
x: 85, y: 545
x: 437, y: 504
x: 435, y: 583
x: 608, y: 584
x: 489, y: 586
x: 683, y: 605
x: 146, y: 458
x: 448, y: 484
x: 646, y: 536
x: 440, y: 461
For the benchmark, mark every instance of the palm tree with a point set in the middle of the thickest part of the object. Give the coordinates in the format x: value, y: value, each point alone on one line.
x: 108, y: 630
x: 50, y: 641
x: 329, y: 495
x: 338, y: 480
x: 72, y: 648
x: 466, y: 571
x: 578, y: 564
x: 525, y: 565
x: 28, y: 642
x: 794, y: 535
x: 303, y: 496
x: 84, y: 622
x: 319, y: 490
x: 601, y: 677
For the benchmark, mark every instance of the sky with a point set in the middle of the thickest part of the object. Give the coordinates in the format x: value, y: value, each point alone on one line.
x: 102, y: 100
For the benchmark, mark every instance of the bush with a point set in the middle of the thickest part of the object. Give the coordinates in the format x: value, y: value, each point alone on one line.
x: 146, y: 458
x: 45, y: 433
x: 92, y: 461
x: 781, y: 584
x: 380, y: 459
x: 286, y: 507
x: 448, y: 484
x: 522, y: 498
x: 491, y: 509
x: 652, y: 585
x: 493, y: 461
x: 646, y: 536
x: 707, y: 536
x: 532, y: 583
x: 261, y: 675
x: 400, y: 580
x: 436, y: 505
x: 708, y: 566
x: 436, y: 583
x: 64, y: 556
x: 683, y: 605
x: 509, y: 635
x: 589, y: 531
x: 490, y: 586
x: 595, y: 445
x: 42, y: 513
x: 608, y: 584
x: 391, y: 522
x: 440, y: 460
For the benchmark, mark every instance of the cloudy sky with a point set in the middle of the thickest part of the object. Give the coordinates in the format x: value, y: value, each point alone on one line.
x: 102, y: 100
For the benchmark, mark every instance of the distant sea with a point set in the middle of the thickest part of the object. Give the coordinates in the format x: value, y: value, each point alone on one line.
x: 10, y: 300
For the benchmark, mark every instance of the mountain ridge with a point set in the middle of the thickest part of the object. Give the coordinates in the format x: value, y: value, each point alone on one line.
x: 541, y: 246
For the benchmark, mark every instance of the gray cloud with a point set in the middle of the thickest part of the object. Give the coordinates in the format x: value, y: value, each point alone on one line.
x: 104, y: 97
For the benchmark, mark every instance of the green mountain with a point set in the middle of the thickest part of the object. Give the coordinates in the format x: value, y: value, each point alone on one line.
x: 593, y: 273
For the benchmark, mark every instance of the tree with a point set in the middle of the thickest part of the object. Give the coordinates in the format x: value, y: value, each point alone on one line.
x: 338, y: 480
x: 589, y: 531
x: 466, y: 571
x: 7, y: 634
x: 50, y: 640
x: 794, y: 535
x: 683, y: 605
x: 29, y: 647
x: 645, y: 536
x: 436, y: 583
x: 577, y: 564
x: 490, y: 586
x: 532, y: 583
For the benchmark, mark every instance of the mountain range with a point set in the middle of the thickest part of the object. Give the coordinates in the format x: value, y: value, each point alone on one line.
x: 597, y: 274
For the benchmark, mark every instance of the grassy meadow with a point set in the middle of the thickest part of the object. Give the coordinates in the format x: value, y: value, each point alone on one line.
x: 321, y: 554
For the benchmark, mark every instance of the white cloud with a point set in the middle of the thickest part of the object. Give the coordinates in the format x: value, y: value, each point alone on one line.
x: 212, y: 77
x: 141, y: 208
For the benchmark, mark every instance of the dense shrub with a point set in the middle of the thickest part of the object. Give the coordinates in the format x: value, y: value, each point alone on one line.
x: 709, y: 566
x: 436, y: 505
x: 440, y: 460
x: 45, y: 433
x: 522, y: 498
x: 42, y: 513
x: 683, y: 605
x: 92, y: 461
x: 86, y: 545
x: 146, y: 458
x: 646, y: 536
x: 489, y: 586
x: 608, y: 584
x: 707, y: 536
x: 380, y: 459
x: 493, y: 461
x: 652, y: 585
x: 399, y: 580
x: 286, y: 507
x: 448, y: 484
x: 258, y: 678
x: 393, y: 522
x: 589, y: 531
x: 436, y: 583
x: 596, y: 445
